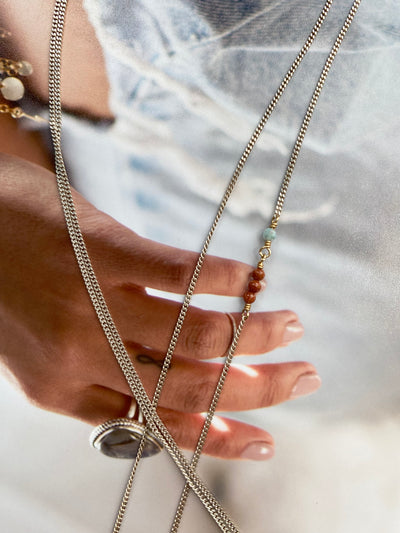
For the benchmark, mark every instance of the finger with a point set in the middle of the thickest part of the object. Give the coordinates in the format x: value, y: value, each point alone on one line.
x: 190, y: 385
x: 205, y: 334
x: 131, y: 259
x: 170, y: 269
x: 227, y: 438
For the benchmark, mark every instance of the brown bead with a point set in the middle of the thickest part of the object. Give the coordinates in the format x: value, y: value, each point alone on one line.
x: 249, y: 297
x: 258, y: 274
x: 254, y: 286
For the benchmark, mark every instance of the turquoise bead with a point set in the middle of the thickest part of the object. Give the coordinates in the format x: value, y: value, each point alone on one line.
x: 269, y: 234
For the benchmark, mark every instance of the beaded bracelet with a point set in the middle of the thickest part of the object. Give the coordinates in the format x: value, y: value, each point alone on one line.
x: 12, y: 88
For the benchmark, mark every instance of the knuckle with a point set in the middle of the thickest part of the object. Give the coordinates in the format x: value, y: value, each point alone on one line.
x: 273, y: 332
x: 204, y: 337
x: 178, y: 273
x: 197, y: 396
x: 224, y: 276
x: 221, y: 446
x: 273, y: 390
x: 227, y: 273
x: 233, y: 277
x: 270, y: 336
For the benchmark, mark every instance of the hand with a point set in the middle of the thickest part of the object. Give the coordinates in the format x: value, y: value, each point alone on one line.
x: 53, y: 347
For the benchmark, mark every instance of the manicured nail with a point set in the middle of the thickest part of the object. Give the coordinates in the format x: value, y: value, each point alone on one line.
x: 258, y: 451
x: 293, y: 331
x: 306, y: 384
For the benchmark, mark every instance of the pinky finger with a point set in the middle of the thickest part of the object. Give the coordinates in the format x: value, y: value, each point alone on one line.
x: 227, y: 438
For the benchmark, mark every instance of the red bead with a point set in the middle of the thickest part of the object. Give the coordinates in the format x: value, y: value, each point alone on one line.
x: 258, y: 274
x: 254, y: 286
x: 249, y: 297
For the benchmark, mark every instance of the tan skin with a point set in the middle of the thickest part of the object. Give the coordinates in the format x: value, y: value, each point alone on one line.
x: 51, y: 344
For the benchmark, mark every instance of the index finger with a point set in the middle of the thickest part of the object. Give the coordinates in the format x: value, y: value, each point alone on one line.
x: 131, y: 259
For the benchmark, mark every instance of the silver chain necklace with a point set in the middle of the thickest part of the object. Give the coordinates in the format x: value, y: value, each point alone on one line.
x: 148, y: 407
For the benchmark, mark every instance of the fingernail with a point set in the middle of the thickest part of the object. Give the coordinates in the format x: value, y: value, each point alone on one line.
x: 258, y: 451
x: 306, y: 384
x: 293, y: 331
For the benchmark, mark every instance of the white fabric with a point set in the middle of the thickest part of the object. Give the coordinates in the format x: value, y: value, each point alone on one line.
x: 189, y: 82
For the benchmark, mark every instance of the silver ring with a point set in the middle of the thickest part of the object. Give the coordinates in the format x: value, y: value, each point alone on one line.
x: 233, y: 322
x: 234, y: 328
x: 120, y: 437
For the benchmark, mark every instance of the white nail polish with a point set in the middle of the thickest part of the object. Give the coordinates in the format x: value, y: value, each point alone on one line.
x: 305, y: 384
x: 258, y: 451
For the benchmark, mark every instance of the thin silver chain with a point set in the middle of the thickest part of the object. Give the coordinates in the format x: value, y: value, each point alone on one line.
x: 274, y: 222
x: 149, y: 407
x: 178, y: 326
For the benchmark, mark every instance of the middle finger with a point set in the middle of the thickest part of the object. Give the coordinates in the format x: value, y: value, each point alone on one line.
x: 205, y: 334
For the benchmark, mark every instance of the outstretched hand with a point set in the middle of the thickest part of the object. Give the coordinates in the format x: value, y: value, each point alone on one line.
x: 53, y: 347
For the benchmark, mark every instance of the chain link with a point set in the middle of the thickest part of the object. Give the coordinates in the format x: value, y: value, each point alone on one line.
x: 154, y: 423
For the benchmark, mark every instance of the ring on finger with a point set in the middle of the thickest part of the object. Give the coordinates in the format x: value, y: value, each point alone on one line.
x: 234, y: 328
x: 120, y: 437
